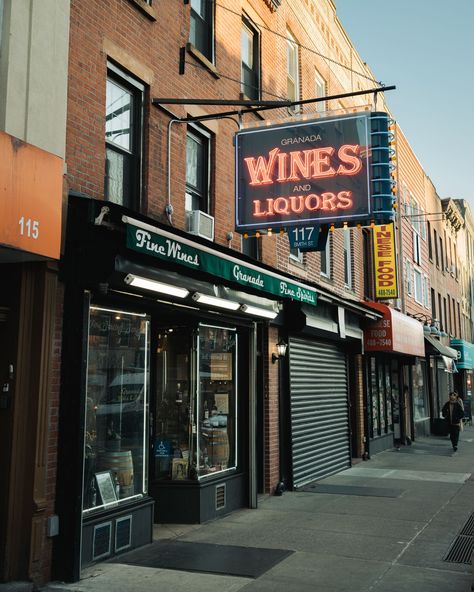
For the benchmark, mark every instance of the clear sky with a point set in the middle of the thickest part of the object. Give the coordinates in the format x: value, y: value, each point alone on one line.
x: 426, y: 49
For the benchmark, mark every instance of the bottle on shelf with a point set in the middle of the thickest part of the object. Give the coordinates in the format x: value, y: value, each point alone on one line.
x: 179, y: 394
x: 93, y: 491
x: 116, y: 486
x: 206, y: 410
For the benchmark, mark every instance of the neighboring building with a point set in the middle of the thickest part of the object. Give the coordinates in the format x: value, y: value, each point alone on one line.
x: 33, y: 74
x: 463, y: 343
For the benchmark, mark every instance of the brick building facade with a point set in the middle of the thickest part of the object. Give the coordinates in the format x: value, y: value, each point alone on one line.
x: 165, y: 407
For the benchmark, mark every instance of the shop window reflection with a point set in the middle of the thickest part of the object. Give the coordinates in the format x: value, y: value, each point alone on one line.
x: 195, y: 403
x: 116, y: 404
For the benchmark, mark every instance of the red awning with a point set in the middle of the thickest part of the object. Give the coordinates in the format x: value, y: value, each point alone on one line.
x: 395, y: 332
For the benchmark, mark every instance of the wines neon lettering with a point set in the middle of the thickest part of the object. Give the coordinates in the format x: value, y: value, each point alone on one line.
x: 317, y: 163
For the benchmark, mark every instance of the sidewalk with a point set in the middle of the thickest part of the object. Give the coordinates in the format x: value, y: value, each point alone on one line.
x: 390, y: 537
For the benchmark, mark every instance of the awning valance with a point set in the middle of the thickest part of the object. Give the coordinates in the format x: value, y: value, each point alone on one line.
x: 437, y: 348
x: 395, y: 332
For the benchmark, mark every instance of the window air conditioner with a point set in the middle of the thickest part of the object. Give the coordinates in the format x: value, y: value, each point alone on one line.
x: 201, y: 224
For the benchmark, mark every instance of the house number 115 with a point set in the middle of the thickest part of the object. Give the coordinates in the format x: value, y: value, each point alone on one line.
x: 29, y: 227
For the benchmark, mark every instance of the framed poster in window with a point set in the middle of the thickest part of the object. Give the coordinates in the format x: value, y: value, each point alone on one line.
x: 221, y: 366
x: 106, y: 488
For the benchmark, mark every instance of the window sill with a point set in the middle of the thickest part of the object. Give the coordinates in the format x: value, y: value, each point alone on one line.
x: 200, y: 57
x: 147, y: 10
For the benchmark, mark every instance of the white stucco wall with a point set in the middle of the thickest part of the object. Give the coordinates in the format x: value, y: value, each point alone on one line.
x: 33, y: 71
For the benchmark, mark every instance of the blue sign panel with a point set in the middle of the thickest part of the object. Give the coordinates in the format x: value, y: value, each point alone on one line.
x: 465, y: 353
x: 308, y: 238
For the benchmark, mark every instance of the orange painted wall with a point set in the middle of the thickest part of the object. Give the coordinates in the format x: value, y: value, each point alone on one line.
x: 31, y: 182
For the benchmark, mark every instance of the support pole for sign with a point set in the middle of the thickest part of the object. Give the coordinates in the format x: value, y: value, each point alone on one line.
x: 261, y: 105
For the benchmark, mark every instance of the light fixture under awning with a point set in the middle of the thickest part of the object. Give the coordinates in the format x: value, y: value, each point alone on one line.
x: 215, y: 301
x: 258, y: 312
x: 154, y: 286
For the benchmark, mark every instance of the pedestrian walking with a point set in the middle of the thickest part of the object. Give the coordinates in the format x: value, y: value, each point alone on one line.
x: 453, y: 413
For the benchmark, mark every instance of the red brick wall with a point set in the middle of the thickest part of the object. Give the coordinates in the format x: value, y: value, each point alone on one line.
x: 271, y: 394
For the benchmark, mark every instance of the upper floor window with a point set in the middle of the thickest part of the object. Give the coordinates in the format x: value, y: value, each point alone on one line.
x: 326, y: 259
x: 430, y: 243
x: 292, y: 64
x: 418, y: 285
x: 123, y: 138
x: 348, y: 258
x: 252, y: 247
x: 198, y: 156
x: 250, y: 62
x: 435, y: 240
x: 296, y: 255
x: 319, y: 91
x: 201, y: 33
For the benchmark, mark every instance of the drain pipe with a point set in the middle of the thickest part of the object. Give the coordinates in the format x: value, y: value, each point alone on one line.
x: 169, y: 205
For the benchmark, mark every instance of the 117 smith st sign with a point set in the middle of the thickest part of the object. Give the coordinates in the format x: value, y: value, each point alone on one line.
x: 315, y: 172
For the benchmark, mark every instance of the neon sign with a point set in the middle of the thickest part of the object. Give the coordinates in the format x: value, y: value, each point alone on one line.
x: 317, y: 172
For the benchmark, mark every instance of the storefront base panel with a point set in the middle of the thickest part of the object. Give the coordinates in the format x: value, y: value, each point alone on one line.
x: 116, y: 532
x: 380, y: 444
x: 195, y: 503
x: 439, y: 427
x: 422, y: 428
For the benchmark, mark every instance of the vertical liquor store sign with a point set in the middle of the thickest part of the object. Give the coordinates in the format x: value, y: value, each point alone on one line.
x: 316, y: 172
x: 385, y: 262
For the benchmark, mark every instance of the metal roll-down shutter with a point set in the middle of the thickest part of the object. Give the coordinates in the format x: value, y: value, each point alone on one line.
x: 319, y: 410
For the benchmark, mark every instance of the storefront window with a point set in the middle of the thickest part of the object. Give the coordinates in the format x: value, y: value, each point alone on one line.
x: 388, y: 396
x: 383, y: 425
x: 375, y: 398
x: 196, y: 402
x: 174, y: 388
x: 420, y: 398
x: 116, y: 407
x: 216, y: 402
x: 381, y: 396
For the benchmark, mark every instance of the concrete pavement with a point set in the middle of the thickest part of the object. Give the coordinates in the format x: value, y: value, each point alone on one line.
x: 341, y: 542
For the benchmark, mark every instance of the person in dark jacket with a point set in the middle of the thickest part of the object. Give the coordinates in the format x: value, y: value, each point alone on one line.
x: 453, y: 413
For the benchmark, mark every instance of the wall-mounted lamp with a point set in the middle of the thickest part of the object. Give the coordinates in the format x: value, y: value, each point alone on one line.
x: 281, y: 347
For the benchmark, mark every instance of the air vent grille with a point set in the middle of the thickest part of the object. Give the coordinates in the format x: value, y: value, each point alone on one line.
x: 123, y: 533
x: 220, y: 496
x: 102, y: 540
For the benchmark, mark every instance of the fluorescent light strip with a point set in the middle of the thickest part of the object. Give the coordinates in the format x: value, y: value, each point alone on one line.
x: 258, y: 312
x: 213, y: 301
x: 154, y: 286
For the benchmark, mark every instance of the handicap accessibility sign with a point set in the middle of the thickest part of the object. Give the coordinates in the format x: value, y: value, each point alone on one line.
x: 162, y: 448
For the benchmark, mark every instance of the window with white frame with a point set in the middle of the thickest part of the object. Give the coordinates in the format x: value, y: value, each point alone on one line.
x: 409, y: 276
x: 319, y: 91
x: 326, y: 259
x: 348, y: 258
x: 123, y: 138
x: 292, y: 64
x: 296, y: 255
x: 250, y: 62
x: 198, y: 156
x: 418, y: 285
x: 426, y: 292
x: 201, y: 30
